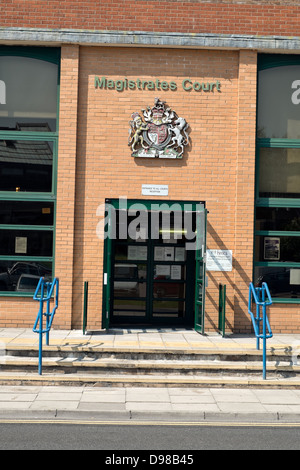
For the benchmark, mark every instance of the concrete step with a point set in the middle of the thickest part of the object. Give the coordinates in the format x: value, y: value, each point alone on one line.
x: 77, y: 365
x: 222, y: 355
x: 139, y: 380
x: 116, y: 366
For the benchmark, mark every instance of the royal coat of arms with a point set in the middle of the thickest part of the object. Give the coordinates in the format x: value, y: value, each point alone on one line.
x: 158, y: 133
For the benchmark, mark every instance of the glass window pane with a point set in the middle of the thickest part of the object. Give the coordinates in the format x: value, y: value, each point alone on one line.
x: 134, y: 272
x: 279, y: 172
x: 278, y: 218
x: 132, y: 308
x: 28, y: 94
x: 278, y: 102
x: 282, y: 282
x: 26, y: 213
x: 130, y: 227
x: 26, y: 243
x: 169, y: 289
x: 26, y: 166
x: 128, y: 280
x: 277, y: 249
x: 174, y: 226
x: 168, y: 308
x: 23, y: 276
x: 130, y: 252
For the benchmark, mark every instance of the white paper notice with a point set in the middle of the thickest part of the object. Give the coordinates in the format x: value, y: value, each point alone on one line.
x: 159, y: 253
x: 219, y: 260
x: 162, y: 270
x: 295, y: 277
x: 21, y: 245
x: 176, y: 272
x: 169, y: 253
x: 137, y: 252
x: 179, y: 254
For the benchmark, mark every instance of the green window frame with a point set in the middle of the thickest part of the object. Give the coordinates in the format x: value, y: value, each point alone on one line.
x: 262, y: 235
x: 45, y: 200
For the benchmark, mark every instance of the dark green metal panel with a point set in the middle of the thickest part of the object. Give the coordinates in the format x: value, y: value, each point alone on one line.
x: 222, y: 309
x: 200, y: 282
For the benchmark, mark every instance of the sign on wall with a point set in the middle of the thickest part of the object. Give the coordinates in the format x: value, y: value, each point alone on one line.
x: 219, y: 260
x: 155, y: 189
x: 156, y: 84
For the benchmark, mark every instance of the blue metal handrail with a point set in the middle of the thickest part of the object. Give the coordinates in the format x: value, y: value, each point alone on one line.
x: 43, y: 293
x: 262, y: 299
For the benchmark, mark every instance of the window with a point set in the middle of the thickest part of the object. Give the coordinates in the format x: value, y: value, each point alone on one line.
x: 29, y: 90
x: 277, y: 217
x: 26, y: 165
x: 29, y: 97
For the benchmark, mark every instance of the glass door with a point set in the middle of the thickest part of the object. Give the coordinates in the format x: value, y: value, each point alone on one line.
x: 130, y: 272
x: 171, y: 271
x: 150, y: 269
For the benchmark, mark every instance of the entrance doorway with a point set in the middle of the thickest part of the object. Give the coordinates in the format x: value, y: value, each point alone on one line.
x: 154, y: 264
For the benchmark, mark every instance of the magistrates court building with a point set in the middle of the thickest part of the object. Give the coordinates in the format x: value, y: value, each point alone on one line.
x: 154, y: 164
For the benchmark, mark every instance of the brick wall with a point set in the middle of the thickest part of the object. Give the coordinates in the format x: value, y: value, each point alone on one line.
x: 94, y: 163
x: 222, y: 141
x: 260, y: 17
x: 64, y: 242
x: 219, y: 165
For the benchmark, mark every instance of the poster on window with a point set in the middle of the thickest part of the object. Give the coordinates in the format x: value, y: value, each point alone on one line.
x: 21, y: 245
x: 272, y: 248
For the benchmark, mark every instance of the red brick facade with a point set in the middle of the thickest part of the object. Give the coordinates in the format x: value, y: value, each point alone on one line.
x: 261, y: 17
x: 95, y: 162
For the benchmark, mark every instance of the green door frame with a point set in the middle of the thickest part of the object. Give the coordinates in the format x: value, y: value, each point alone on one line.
x: 125, y: 204
x: 200, y: 255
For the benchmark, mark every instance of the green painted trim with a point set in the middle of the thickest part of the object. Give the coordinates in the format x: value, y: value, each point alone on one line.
x: 277, y: 143
x: 44, y: 228
x: 16, y: 294
x: 277, y: 233
x: 149, y: 202
x: 266, y: 61
x: 283, y: 300
x: 37, y: 259
x: 48, y: 54
x: 277, y: 264
x: 280, y: 202
x: 10, y: 196
x: 23, y: 135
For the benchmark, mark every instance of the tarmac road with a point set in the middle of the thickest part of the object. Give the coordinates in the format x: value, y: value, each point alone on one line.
x: 185, y: 441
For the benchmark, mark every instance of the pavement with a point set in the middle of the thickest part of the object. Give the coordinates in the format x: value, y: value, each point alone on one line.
x: 149, y: 404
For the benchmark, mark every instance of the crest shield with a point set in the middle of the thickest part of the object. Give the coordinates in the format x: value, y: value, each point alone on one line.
x: 157, y: 134
x: 160, y: 133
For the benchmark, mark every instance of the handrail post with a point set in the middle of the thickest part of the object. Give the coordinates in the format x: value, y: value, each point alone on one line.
x: 262, y: 298
x: 41, y: 329
x: 258, y: 326
x: 49, y: 316
x: 264, y: 341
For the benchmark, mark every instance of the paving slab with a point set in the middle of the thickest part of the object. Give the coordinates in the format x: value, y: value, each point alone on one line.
x: 152, y: 403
